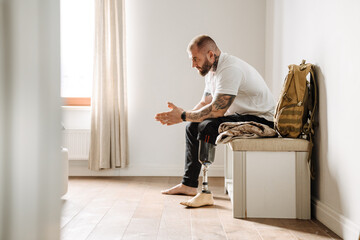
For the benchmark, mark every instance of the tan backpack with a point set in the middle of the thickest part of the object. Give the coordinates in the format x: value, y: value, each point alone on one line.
x: 294, y: 116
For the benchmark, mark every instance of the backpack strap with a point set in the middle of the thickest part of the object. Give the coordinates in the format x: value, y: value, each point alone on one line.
x: 315, y: 99
x: 300, y: 72
x: 297, y: 83
x: 288, y: 81
x: 308, y: 128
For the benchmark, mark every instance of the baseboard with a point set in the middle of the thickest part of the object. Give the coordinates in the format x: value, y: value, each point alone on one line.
x: 80, y: 168
x: 338, y: 223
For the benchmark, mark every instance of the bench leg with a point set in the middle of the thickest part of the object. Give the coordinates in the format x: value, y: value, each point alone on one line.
x: 226, y: 165
x: 228, y: 168
x: 239, y: 185
x: 303, y: 192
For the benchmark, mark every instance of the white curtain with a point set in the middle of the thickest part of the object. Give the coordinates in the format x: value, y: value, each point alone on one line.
x: 108, y: 144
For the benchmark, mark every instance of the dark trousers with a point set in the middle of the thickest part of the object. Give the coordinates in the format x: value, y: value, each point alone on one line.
x: 207, y: 130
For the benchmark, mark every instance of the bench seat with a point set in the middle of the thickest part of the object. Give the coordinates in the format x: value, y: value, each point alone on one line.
x: 271, y: 144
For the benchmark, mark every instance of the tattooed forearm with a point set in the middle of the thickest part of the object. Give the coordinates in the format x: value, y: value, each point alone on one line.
x: 223, y: 101
x: 197, y: 116
x: 206, y: 99
x: 215, y: 109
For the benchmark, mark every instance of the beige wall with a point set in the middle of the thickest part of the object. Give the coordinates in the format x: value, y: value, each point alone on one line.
x: 327, y: 34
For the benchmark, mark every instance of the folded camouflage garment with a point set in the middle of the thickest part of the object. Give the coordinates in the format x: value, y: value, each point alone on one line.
x: 229, y: 131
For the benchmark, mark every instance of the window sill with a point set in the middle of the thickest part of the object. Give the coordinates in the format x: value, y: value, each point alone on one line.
x: 77, y: 101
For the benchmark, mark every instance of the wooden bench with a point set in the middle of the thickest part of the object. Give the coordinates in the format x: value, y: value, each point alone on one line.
x: 268, y: 178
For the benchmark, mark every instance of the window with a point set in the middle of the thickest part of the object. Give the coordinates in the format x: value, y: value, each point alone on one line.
x: 77, y: 51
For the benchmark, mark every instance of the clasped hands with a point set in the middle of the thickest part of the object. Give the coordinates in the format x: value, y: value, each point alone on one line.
x: 171, y: 117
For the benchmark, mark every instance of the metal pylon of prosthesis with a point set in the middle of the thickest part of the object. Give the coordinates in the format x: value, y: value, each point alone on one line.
x: 206, y: 158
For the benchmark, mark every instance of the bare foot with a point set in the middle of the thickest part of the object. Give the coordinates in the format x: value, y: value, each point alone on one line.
x: 201, y: 199
x: 181, y: 189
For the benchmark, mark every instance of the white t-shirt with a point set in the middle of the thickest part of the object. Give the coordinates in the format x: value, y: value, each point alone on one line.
x: 236, y: 77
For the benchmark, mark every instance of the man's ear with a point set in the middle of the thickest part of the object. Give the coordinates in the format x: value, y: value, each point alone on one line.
x: 211, y: 56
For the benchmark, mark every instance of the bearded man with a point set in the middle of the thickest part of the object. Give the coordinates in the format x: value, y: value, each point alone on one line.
x: 234, y: 92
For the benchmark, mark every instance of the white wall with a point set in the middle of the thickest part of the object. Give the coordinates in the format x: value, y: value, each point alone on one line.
x: 159, y: 70
x: 325, y: 33
x: 76, y: 117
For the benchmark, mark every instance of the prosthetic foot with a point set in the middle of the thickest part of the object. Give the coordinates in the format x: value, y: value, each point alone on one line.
x: 206, y: 158
x: 200, y: 200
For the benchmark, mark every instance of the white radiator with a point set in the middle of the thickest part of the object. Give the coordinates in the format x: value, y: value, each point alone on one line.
x: 77, y: 141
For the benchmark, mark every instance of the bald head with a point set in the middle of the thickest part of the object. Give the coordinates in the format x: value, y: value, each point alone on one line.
x: 203, y: 44
x: 204, y: 54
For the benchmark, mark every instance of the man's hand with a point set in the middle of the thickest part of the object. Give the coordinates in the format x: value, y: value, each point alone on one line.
x: 172, y: 117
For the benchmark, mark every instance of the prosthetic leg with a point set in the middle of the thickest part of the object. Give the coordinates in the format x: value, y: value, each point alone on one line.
x: 206, y: 158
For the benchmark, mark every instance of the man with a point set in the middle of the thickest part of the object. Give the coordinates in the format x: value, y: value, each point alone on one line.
x: 234, y: 92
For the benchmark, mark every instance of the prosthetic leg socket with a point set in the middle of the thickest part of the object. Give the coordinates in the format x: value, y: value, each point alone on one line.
x: 206, y: 158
